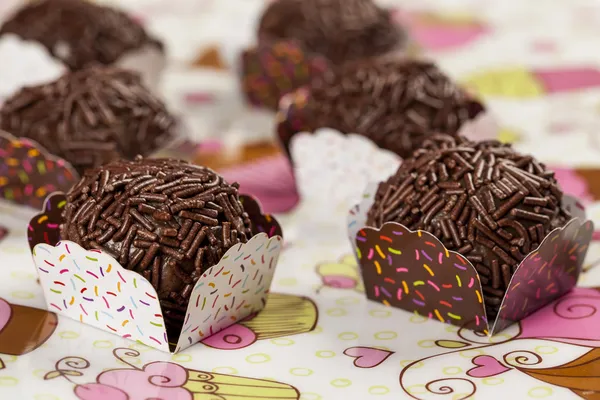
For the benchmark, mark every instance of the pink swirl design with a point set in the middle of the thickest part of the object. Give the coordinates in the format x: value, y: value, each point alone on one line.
x: 565, y: 308
x: 160, y: 380
x: 573, y: 316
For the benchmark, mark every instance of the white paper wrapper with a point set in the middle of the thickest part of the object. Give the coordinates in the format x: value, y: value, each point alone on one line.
x: 332, y: 171
x: 91, y: 287
x: 27, y: 63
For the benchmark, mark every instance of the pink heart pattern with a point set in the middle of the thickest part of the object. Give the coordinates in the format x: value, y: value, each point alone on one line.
x: 486, y: 366
x: 367, y: 357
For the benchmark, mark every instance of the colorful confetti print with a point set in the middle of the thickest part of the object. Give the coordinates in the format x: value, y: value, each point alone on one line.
x: 260, y: 222
x: 91, y: 287
x: 273, y: 70
x: 28, y: 173
x: 231, y: 290
x: 44, y: 227
x: 547, y: 273
x: 415, y: 272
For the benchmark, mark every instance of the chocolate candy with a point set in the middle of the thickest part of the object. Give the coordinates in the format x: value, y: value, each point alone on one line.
x: 166, y: 219
x: 272, y: 70
x: 90, y: 117
x: 484, y: 200
x: 339, y: 30
x: 395, y: 103
x: 77, y: 32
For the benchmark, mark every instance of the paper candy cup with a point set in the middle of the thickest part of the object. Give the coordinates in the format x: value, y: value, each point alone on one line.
x: 274, y: 69
x: 332, y: 171
x: 415, y: 272
x: 92, y: 287
x: 29, y: 172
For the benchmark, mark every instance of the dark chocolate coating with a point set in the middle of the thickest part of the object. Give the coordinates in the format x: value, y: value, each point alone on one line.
x: 484, y: 200
x: 90, y: 117
x: 395, y: 103
x: 78, y: 32
x: 340, y: 30
x: 166, y: 219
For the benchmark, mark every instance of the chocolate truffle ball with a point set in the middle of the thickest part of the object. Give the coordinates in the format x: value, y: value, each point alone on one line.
x: 165, y: 219
x: 340, y: 30
x: 90, y: 116
x: 78, y: 32
x: 395, y: 103
x: 484, y: 200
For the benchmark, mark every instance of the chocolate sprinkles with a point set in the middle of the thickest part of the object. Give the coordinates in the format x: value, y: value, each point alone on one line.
x: 339, y: 30
x: 172, y: 253
x: 395, y: 103
x: 494, y: 222
x: 67, y: 118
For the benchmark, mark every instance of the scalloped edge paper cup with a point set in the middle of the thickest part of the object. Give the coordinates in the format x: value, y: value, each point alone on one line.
x: 92, y: 287
x: 412, y: 270
x: 332, y: 170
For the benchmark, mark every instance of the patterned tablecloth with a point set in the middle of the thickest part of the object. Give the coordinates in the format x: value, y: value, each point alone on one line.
x: 537, y: 66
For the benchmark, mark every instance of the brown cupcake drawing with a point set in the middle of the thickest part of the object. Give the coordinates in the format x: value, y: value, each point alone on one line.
x: 581, y: 376
x: 24, y: 329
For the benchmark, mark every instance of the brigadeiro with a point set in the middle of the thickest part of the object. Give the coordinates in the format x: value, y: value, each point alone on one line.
x: 80, y: 33
x: 299, y: 39
x: 163, y: 218
x: 339, y: 30
x: 91, y: 116
x: 397, y: 103
x: 484, y: 200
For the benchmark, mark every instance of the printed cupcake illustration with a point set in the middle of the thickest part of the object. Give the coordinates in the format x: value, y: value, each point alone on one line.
x: 553, y: 353
x: 24, y: 329
x: 522, y: 83
x: 170, y: 381
x: 343, y: 274
x: 284, y: 315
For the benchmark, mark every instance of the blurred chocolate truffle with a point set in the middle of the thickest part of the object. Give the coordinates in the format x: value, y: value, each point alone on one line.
x: 300, y: 39
x: 90, y: 116
x: 484, y: 200
x: 395, y: 103
x: 81, y: 33
x: 339, y: 30
x: 165, y: 219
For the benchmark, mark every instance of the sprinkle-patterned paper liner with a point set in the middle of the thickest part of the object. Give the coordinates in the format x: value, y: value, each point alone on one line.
x: 44, y: 227
x: 261, y: 222
x: 92, y: 287
x: 28, y: 173
x: 272, y: 70
x: 333, y: 169
x: 412, y: 270
x: 231, y: 290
